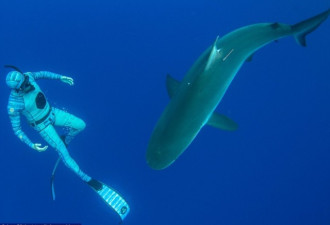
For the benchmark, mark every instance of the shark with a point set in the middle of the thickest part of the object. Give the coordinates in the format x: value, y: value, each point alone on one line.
x: 193, y: 100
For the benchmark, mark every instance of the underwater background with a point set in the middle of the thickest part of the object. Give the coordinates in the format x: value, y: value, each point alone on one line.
x: 275, y: 169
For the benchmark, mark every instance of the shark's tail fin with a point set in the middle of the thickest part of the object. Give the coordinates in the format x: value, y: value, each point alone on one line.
x: 301, y: 29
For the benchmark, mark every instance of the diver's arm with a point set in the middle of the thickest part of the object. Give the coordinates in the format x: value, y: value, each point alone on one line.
x: 15, y: 119
x: 45, y: 75
x: 53, y: 76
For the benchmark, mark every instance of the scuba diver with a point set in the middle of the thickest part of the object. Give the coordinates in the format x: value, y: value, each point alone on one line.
x: 26, y: 98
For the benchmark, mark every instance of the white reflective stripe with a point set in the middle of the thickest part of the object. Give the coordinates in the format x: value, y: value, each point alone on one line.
x: 107, y: 194
x: 113, y: 200
x: 119, y: 206
x: 116, y: 203
x: 104, y: 194
x: 110, y: 197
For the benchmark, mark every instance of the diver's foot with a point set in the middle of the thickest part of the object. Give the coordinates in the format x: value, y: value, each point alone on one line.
x: 95, y: 184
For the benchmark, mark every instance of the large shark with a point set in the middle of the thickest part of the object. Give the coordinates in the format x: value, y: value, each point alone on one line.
x: 194, y: 100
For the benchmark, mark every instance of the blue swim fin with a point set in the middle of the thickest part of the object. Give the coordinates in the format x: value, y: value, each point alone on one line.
x: 53, y: 177
x: 111, y: 197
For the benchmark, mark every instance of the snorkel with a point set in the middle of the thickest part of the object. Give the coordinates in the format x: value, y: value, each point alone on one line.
x: 14, y: 68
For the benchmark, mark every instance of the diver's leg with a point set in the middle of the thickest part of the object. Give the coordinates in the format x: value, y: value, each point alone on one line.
x: 52, y: 138
x: 74, y: 124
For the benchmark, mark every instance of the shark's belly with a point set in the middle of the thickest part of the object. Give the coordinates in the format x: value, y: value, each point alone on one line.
x: 182, y: 120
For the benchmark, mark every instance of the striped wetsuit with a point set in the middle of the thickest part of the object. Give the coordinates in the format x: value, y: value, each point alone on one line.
x: 42, y: 117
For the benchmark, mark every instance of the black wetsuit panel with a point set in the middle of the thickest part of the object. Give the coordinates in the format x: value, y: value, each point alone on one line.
x: 41, y: 100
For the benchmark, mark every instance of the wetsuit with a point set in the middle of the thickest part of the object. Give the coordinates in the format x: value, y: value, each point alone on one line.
x: 42, y: 117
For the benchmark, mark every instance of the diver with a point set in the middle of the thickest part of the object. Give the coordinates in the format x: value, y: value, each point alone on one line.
x: 26, y: 98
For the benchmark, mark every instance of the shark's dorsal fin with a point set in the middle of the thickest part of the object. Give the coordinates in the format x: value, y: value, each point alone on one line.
x: 172, y: 85
x: 214, y: 55
x: 222, y: 122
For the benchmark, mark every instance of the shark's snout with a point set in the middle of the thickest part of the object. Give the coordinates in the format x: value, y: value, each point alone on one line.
x: 158, y: 158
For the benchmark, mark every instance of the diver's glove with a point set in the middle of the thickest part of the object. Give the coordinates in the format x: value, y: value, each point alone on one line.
x: 38, y: 147
x: 67, y: 80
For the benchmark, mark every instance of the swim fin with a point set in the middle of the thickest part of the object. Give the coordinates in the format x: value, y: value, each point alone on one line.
x: 53, y: 177
x: 55, y: 167
x: 111, y: 197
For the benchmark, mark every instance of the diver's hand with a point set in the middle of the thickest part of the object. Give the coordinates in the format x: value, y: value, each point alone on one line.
x: 38, y: 147
x: 67, y: 80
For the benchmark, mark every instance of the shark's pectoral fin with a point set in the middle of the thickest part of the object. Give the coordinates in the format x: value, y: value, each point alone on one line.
x: 216, y: 120
x: 172, y: 85
x: 222, y: 122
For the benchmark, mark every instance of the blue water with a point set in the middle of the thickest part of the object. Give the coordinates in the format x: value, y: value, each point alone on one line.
x: 273, y: 170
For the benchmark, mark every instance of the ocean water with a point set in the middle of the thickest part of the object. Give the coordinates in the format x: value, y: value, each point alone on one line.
x: 273, y: 170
